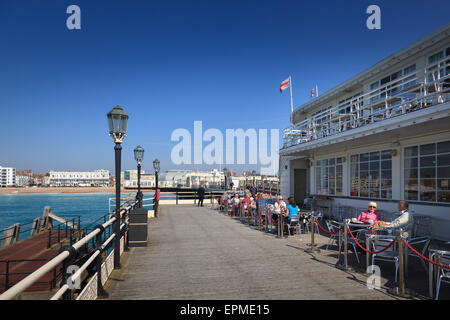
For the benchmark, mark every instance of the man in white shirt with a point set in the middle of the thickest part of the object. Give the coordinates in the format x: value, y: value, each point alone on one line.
x: 405, y: 220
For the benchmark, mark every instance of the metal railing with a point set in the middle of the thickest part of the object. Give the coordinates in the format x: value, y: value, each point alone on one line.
x: 417, y: 90
x: 67, y: 258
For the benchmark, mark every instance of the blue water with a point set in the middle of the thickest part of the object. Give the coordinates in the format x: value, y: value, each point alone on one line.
x: 23, y: 208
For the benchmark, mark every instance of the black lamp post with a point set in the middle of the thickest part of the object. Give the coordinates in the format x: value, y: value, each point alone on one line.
x: 117, y: 122
x: 156, y: 167
x: 225, y: 173
x: 254, y: 176
x: 139, y: 157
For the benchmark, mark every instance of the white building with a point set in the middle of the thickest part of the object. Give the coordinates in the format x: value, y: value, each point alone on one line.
x: 97, y: 178
x: 129, y: 179
x: 7, y: 177
x: 22, y: 181
x: 383, y: 135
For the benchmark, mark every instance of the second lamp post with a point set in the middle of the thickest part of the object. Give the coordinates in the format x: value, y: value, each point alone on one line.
x: 139, y: 157
x: 156, y: 201
x: 117, y: 123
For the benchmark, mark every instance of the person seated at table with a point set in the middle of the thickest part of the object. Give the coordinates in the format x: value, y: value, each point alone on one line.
x: 223, y: 199
x: 292, y: 210
x: 405, y: 220
x: 279, y: 208
x: 236, y: 202
x: 370, y: 216
x: 246, y: 201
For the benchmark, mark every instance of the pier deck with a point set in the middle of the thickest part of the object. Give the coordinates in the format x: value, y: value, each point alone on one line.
x: 199, y: 253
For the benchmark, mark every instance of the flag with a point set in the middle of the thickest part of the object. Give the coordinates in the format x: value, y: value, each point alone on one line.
x: 284, y: 85
x: 314, y: 92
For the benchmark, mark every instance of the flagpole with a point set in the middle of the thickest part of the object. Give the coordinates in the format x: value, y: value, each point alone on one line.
x: 317, y: 91
x: 292, y: 105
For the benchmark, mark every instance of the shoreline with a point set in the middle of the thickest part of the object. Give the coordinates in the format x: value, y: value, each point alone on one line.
x: 61, y: 190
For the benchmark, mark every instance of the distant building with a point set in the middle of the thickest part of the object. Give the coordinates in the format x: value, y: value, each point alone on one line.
x: 97, y: 178
x: 129, y: 179
x: 7, y: 177
x: 23, y: 181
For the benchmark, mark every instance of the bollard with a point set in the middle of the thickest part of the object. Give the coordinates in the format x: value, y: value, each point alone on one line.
x: 339, y: 264
x: 313, y: 247
x: 367, y: 253
x: 401, y: 290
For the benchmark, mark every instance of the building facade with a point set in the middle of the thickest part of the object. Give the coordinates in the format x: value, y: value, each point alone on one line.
x: 383, y: 135
x: 97, y: 178
x: 129, y: 179
x: 7, y: 177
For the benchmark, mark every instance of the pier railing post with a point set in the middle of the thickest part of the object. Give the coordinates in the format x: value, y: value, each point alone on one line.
x: 7, y: 275
x: 101, y: 293
x: 176, y: 196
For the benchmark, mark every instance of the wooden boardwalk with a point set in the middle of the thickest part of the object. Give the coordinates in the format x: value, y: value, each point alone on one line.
x: 199, y: 253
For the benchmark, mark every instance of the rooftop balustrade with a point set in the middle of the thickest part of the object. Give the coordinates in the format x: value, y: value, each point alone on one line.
x: 414, y: 91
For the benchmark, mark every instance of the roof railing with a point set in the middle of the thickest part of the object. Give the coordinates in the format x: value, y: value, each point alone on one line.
x: 414, y: 91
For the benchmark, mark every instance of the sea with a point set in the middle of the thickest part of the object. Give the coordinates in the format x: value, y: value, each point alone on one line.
x: 24, y: 208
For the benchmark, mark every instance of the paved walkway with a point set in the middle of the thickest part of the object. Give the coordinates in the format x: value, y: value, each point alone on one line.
x: 199, y: 253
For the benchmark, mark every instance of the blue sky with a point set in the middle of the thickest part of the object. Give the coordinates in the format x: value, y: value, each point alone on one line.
x: 173, y: 62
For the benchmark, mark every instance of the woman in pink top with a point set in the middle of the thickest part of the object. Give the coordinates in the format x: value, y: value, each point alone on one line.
x: 370, y: 214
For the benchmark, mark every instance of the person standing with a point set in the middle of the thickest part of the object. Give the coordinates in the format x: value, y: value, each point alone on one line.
x: 201, y: 195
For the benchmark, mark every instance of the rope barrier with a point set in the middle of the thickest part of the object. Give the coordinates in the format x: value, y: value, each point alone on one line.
x: 326, y: 231
x: 425, y: 258
x: 372, y: 252
x: 271, y: 221
x: 260, y: 220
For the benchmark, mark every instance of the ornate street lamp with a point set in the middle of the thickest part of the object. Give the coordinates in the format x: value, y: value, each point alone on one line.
x: 139, y: 157
x: 225, y: 173
x: 156, y: 167
x: 117, y: 122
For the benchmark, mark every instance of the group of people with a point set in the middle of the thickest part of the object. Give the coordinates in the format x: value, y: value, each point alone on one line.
x: 405, y: 220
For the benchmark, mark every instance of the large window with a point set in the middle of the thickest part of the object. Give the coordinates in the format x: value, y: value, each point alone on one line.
x: 437, y: 69
x: 329, y: 176
x: 390, y: 86
x: 371, y: 175
x: 427, y: 172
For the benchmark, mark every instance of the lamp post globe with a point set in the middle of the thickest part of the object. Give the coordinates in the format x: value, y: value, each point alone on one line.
x: 156, y: 201
x: 139, y: 157
x: 117, y: 123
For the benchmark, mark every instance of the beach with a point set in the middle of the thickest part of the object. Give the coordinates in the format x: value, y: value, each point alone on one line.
x: 67, y: 190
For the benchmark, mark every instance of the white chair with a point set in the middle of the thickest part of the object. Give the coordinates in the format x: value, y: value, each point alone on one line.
x: 332, y: 227
x: 443, y: 274
x: 294, y: 223
x: 379, y: 242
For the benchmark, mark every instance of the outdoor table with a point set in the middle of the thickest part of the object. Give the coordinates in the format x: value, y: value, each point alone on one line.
x: 433, y: 251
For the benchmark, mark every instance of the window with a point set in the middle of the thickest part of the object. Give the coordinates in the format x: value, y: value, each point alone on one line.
x: 371, y: 175
x: 427, y: 172
x: 329, y: 176
x: 436, y: 63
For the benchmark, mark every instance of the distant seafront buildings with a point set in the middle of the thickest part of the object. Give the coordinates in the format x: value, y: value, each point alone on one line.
x: 96, y: 178
x: 7, y: 177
